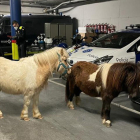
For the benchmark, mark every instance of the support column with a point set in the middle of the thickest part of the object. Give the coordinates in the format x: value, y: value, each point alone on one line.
x: 15, y: 13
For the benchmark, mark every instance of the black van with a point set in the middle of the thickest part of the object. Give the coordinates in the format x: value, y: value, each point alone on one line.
x: 34, y: 25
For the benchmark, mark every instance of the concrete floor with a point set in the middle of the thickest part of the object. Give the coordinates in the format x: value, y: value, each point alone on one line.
x: 60, y: 123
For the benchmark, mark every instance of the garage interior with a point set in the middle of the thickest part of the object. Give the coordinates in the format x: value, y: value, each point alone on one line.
x: 84, y: 122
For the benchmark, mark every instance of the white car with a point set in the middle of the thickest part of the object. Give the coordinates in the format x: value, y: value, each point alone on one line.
x: 112, y: 48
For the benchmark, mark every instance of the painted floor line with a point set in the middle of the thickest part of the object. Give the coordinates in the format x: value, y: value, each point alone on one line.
x: 55, y: 78
x: 123, y: 107
x: 118, y: 105
x: 56, y: 83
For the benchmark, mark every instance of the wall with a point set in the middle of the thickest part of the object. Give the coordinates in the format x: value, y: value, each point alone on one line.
x: 117, y: 12
x: 25, y: 10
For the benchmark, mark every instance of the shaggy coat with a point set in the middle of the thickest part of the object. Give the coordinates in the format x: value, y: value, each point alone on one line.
x: 29, y: 75
x: 105, y: 81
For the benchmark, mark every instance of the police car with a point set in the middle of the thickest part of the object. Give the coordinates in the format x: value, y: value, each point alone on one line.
x: 115, y: 47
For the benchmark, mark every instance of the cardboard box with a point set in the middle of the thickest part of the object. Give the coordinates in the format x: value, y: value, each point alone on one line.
x: 89, y: 39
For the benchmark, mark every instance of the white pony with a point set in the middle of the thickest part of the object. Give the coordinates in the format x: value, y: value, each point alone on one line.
x: 29, y: 75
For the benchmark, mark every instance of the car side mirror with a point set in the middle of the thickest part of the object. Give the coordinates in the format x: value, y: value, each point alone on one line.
x: 138, y: 49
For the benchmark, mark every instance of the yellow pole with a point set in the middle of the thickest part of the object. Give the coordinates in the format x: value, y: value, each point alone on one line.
x: 15, y: 53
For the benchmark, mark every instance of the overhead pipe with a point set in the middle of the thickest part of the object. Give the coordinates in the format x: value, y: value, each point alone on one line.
x: 63, y: 3
x: 36, y: 4
x: 35, y: 1
x: 29, y: 4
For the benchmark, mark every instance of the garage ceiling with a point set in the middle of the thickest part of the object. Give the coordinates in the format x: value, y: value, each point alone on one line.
x: 52, y: 3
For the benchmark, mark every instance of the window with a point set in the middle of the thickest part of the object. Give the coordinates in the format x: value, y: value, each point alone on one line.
x: 116, y: 40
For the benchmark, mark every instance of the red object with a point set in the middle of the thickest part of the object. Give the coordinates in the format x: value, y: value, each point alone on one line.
x: 13, y: 41
x: 113, y: 28
x: 109, y: 30
x: 99, y: 28
x: 96, y: 26
x: 102, y: 28
x: 105, y: 28
x: 87, y: 25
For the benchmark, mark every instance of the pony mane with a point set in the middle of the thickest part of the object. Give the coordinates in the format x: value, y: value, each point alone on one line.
x: 46, y: 56
x: 123, y: 74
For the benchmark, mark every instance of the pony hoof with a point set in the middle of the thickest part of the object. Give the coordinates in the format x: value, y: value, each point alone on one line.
x: 26, y: 119
x: 108, y: 123
x: 1, y: 117
x: 37, y: 117
x: 40, y: 117
x: 103, y: 121
x: 70, y: 105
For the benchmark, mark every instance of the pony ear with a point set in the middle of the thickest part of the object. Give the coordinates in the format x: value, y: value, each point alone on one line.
x: 61, y: 52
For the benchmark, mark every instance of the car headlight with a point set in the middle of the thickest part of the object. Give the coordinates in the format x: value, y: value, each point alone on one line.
x: 102, y: 60
x: 70, y: 62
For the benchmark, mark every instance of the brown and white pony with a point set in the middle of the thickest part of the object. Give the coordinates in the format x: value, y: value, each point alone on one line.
x: 105, y: 81
x: 29, y: 75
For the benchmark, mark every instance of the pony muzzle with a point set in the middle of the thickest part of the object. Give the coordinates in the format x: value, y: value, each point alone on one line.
x: 66, y: 68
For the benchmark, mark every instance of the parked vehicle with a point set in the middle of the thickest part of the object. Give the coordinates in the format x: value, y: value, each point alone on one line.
x: 34, y: 25
x: 115, y: 47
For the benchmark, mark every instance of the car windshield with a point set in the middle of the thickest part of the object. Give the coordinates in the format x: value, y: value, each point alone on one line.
x: 115, y: 40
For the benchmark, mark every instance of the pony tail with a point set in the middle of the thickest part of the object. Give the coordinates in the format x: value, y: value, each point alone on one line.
x: 126, y: 74
x: 134, y: 75
x: 116, y: 76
